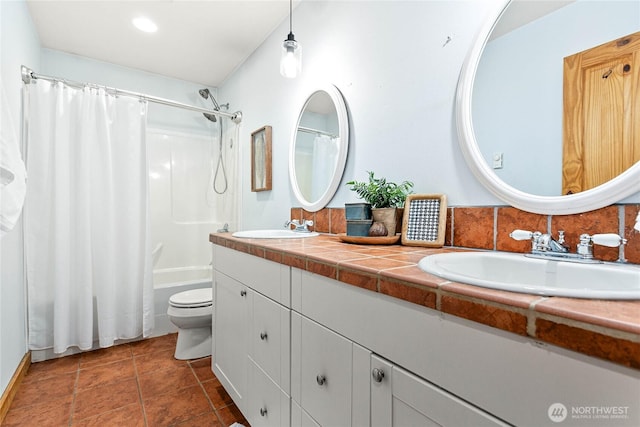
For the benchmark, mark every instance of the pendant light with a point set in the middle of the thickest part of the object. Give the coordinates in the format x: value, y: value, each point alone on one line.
x: 291, y: 60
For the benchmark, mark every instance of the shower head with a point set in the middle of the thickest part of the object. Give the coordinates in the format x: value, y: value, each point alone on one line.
x: 207, y: 95
x: 210, y: 117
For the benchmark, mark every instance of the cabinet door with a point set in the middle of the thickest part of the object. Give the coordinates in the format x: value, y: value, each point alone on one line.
x: 270, y: 339
x: 325, y: 374
x: 399, y: 398
x: 231, y: 312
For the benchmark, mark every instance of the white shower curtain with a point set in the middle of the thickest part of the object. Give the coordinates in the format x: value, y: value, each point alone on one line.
x: 325, y: 154
x: 87, y: 242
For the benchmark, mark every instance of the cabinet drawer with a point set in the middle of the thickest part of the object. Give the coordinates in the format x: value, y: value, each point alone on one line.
x: 268, y: 405
x: 267, y: 277
x: 270, y: 339
x: 325, y: 374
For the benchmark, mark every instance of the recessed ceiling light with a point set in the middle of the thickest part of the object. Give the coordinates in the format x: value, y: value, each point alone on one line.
x: 145, y: 24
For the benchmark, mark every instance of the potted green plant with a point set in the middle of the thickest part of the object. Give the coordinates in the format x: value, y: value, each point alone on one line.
x: 386, y: 198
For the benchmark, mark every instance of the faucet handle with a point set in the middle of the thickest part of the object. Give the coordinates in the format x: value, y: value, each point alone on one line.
x: 611, y: 240
x: 521, y: 235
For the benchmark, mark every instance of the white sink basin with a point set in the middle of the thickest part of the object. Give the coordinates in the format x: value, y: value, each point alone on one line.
x: 274, y: 234
x: 518, y: 273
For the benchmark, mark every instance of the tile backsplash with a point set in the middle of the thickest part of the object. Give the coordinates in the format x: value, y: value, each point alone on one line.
x: 488, y: 227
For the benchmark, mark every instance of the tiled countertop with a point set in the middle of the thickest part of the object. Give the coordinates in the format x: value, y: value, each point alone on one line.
x: 605, y: 329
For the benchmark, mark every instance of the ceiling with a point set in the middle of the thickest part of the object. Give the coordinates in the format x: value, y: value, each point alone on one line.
x: 199, y: 41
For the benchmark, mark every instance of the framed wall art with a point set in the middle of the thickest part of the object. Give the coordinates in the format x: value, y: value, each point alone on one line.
x: 424, y: 220
x: 261, y: 159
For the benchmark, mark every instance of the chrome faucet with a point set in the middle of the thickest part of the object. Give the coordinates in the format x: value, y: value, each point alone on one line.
x: 546, y: 243
x: 542, y: 243
x: 300, y: 227
x: 545, y: 246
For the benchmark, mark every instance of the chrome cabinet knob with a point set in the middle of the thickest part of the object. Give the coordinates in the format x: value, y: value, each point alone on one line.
x: 263, y: 336
x: 321, y: 380
x: 263, y: 412
x: 377, y: 374
x: 243, y: 293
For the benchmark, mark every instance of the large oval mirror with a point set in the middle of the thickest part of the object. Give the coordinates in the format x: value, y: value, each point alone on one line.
x: 509, y: 104
x: 319, y: 147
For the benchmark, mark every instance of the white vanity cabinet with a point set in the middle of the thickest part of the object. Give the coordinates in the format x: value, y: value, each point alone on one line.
x: 251, y: 334
x: 295, y: 348
x: 438, y: 369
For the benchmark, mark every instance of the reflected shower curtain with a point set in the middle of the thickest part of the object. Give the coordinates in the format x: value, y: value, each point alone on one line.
x: 87, y: 239
x: 325, y: 153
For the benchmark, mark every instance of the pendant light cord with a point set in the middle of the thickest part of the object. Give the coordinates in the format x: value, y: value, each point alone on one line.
x: 290, y: 16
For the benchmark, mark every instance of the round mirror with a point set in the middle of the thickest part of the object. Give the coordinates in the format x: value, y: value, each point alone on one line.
x: 319, y: 146
x: 509, y: 103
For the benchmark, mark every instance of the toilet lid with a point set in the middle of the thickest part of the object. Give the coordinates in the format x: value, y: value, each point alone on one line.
x: 192, y: 298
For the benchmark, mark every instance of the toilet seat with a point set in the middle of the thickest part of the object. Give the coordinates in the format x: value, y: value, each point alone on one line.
x: 193, y: 298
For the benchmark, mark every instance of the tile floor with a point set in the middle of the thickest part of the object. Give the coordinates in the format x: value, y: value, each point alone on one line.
x: 136, y: 384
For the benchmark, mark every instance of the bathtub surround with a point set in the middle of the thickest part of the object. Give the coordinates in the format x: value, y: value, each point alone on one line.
x: 86, y: 218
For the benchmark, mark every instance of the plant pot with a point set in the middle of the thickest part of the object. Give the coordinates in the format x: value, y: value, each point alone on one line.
x: 390, y: 217
x: 357, y: 211
x: 358, y: 227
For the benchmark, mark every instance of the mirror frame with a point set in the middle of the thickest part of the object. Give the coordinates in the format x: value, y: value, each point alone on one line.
x: 624, y: 185
x: 341, y: 161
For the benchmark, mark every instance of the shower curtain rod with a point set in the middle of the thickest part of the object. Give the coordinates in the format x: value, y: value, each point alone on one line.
x: 316, y: 131
x: 28, y: 75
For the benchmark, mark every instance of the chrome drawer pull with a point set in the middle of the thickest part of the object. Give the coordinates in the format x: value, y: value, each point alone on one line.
x: 321, y: 380
x: 263, y: 412
x: 243, y: 293
x: 263, y: 336
x: 378, y: 375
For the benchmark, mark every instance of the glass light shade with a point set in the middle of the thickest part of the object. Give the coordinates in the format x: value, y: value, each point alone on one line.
x: 291, y: 60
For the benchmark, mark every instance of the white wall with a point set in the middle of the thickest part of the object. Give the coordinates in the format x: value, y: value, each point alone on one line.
x: 390, y: 61
x: 82, y: 69
x: 18, y: 45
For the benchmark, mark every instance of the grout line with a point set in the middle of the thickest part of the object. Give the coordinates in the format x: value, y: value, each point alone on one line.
x: 621, y: 229
x: 495, y: 228
x: 74, y: 395
x: 137, y: 376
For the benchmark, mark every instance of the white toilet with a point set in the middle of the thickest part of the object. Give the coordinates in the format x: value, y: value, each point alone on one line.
x: 191, y: 311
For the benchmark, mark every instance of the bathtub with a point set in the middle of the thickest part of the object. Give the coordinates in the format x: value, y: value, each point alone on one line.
x: 169, y: 281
